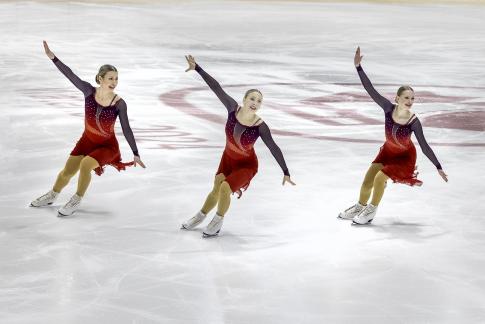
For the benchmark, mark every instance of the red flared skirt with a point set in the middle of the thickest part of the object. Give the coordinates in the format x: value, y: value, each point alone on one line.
x: 399, y: 163
x: 238, y: 170
x: 106, y: 151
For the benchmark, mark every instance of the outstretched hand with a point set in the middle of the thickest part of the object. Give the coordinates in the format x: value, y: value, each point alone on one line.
x: 190, y: 59
x: 443, y: 175
x: 48, y: 51
x: 287, y: 179
x: 357, y: 57
x: 137, y: 160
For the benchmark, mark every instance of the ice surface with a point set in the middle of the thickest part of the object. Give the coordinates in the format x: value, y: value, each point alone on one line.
x: 282, y: 256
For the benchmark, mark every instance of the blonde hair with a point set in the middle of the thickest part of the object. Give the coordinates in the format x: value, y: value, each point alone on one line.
x: 103, y: 70
x: 251, y: 91
x: 403, y: 88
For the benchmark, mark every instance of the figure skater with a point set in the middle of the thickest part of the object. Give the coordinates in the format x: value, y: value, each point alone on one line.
x: 239, y: 163
x: 98, y: 145
x: 397, y: 157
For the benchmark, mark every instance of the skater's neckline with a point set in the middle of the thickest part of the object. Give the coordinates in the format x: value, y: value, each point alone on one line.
x: 113, y: 104
x: 409, y: 122
x: 237, y: 120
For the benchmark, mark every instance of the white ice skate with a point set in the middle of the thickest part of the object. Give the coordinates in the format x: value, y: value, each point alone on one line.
x: 45, y: 200
x: 71, y: 206
x: 351, y: 212
x: 194, y: 221
x: 365, y: 216
x: 214, y: 227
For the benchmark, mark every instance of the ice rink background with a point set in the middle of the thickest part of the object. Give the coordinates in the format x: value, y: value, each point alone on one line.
x: 282, y: 256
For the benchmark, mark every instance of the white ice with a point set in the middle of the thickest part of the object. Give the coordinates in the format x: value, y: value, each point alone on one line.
x: 282, y: 256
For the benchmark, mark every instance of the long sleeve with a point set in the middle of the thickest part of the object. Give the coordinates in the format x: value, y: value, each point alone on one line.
x: 228, y: 101
x: 265, y: 134
x: 385, y: 104
x: 125, y: 125
x: 425, y: 148
x: 84, y: 86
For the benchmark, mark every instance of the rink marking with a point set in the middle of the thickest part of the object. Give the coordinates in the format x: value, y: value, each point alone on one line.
x: 170, y: 137
x: 471, y: 120
x: 162, y: 135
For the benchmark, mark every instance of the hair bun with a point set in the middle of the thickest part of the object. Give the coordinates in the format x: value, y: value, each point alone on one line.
x: 103, y: 70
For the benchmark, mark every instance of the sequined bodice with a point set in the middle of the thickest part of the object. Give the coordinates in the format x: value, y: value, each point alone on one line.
x: 99, y: 121
x: 240, y: 138
x: 397, y: 134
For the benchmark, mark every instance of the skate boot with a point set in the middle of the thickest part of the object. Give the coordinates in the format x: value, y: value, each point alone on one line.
x: 351, y: 212
x: 194, y: 221
x: 214, y: 226
x: 71, y: 206
x: 45, y: 200
x: 365, y: 216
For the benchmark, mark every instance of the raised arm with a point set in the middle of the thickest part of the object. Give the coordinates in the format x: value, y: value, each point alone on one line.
x: 228, y: 101
x: 385, y: 104
x: 84, y: 86
x: 265, y: 134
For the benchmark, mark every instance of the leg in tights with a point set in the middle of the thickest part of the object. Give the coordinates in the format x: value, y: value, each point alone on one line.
x: 368, y: 184
x: 70, y: 169
x: 224, y: 199
x: 213, y: 197
x: 380, y: 181
x: 87, y: 165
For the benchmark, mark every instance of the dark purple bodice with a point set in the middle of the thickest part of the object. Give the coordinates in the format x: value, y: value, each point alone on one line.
x: 397, y: 134
x: 99, y: 120
x: 240, y: 138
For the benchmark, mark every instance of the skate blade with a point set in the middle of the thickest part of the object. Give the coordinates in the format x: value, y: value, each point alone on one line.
x: 340, y: 217
x: 357, y: 224
x: 59, y: 214
x: 204, y: 235
x: 193, y: 226
x: 189, y: 228
x: 40, y: 206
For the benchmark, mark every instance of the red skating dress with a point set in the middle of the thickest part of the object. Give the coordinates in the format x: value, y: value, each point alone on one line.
x: 239, y: 162
x: 398, y: 154
x: 98, y: 139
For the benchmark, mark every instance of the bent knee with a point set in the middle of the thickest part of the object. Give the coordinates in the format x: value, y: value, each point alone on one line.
x: 225, y: 188
x: 219, y: 178
x: 380, y: 177
x: 87, y: 164
x: 67, y: 173
x: 368, y: 181
x: 218, y: 181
